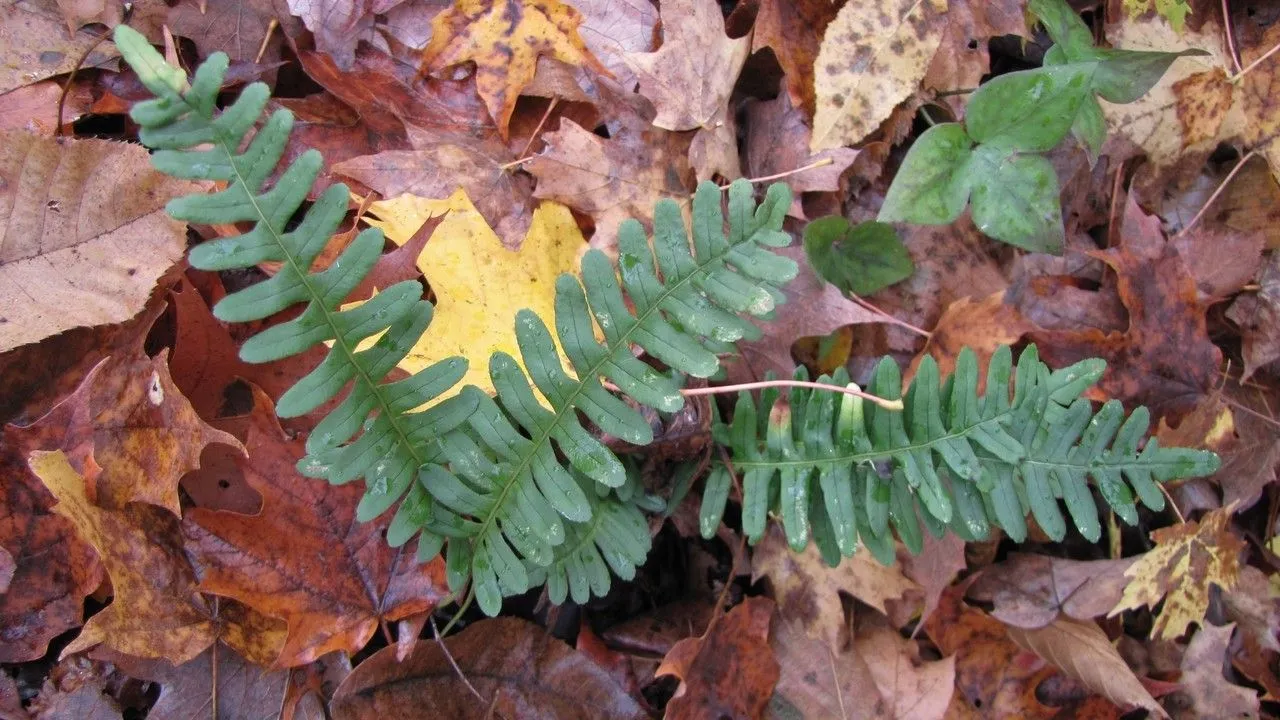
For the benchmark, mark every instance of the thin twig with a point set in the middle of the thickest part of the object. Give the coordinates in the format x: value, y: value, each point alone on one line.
x: 1231, y: 40
x: 71, y: 77
x: 885, y: 403
x: 889, y: 318
x: 454, y: 663
x: 1177, y: 513
x: 1112, y: 230
x: 960, y: 91
x: 266, y: 40
x: 1237, y: 77
x: 213, y: 664
x: 514, y: 163
x: 537, y: 129
x: 1221, y: 186
x: 778, y: 176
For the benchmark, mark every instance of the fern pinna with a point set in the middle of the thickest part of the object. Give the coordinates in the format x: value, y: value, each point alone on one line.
x: 842, y: 471
x: 516, y: 490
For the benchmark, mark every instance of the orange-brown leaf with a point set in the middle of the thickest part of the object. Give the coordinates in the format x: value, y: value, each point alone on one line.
x: 304, y: 558
x: 729, y: 671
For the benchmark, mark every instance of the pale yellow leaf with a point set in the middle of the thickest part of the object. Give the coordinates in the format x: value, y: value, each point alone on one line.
x: 872, y: 57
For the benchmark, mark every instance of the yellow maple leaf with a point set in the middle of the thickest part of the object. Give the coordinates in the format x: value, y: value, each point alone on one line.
x: 504, y: 39
x: 1188, y: 557
x: 479, y: 284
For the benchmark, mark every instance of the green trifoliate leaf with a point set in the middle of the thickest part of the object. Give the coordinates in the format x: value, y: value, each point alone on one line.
x: 1031, y: 110
x: 1015, y: 198
x: 860, y: 259
x: 931, y: 188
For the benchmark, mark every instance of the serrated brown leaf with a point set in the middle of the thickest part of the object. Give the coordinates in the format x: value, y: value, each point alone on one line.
x: 504, y: 39
x: 517, y: 666
x: 1081, y: 650
x: 1210, y: 693
x: 612, y: 179
x: 729, y: 670
x: 157, y: 611
x: 1187, y: 559
x: 1031, y: 591
x: 1164, y: 359
x: 338, y: 25
x: 304, y: 558
x: 807, y: 590
x: 690, y: 77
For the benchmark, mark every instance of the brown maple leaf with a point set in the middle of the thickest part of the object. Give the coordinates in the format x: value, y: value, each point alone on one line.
x: 504, y: 39
x: 729, y: 670
x: 305, y: 558
x: 793, y: 30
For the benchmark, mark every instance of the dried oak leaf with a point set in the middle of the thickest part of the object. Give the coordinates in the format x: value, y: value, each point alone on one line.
x: 73, y: 236
x: 981, y: 326
x: 612, y: 179
x: 1203, y: 684
x: 816, y: 682
x: 235, y: 27
x: 934, y: 568
x: 520, y: 670
x: 504, y: 39
x: 613, y: 28
x: 1031, y: 591
x: 793, y: 30
x: 728, y: 671
x: 873, y: 56
x: 912, y: 686
x: 1187, y: 559
x: 338, y: 25
x: 690, y: 78
x: 1082, y: 650
x: 1165, y: 358
x: 157, y: 611
x: 778, y: 141
x: 304, y: 558
x: 36, y: 45
x: 137, y: 427
x: 808, y: 590
x: 813, y: 307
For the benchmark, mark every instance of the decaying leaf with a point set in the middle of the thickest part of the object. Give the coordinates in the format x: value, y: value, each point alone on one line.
x: 690, y: 77
x: 156, y: 611
x: 962, y: 59
x: 519, y: 669
x: 1258, y: 316
x: 793, y: 29
x: 239, y: 27
x: 73, y: 236
x: 982, y: 326
x: 1031, y: 591
x: 504, y: 39
x: 872, y: 57
x: 330, y: 577
x: 730, y: 670
x: 807, y: 590
x: 1081, y: 650
x: 36, y: 44
x: 338, y: 25
x: 480, y: 284
x: 1187, y: 559
x: 1209, y: 693
x: 816, y: 682
x: 778, y: 142
x: 912, y: 686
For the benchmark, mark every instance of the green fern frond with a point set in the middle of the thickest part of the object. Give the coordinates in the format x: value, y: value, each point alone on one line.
x: 510, y: 491
x: 194, y: 142
x: 840, y: 471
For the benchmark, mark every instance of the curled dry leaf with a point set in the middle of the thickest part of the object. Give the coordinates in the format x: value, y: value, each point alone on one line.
x: 157, y: 612
x: 807, y: 590
x: 689, y: 79
x: 73, y: 236
x: 1203, y: 685
x: 1031, y: 591
x: 1081, y: 650
x: 873, y: 56
x: 730, y: 670
x: 504, y: 39
x: 1187, y: 559
x: 304, y: 558
x: 518, y: 668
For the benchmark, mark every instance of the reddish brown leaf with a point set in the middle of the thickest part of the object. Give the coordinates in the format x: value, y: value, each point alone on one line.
x: 156, y: 611
x: 981, y: 326
x: 962, y: 59
x: 816, y: 682
x: 730, y: 670
x: 1030, y: 591
x: 793, y: 30
x: 1258, y: 316
x: 205, y: 362
x: 244, y: 689
x: 338, y: 26
x: 236, y: 27
x: 1165, y: 358
x: 515, y: 665
x: 304, y: 558
x: 778, y: 142
x: 77, y: 688
x: 934, y: 568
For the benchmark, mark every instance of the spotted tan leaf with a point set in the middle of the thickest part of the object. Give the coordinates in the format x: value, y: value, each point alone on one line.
x: 872, y: 58
x: 504, y: 39
x: 1203, y: 101
x: 1188, y: 557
